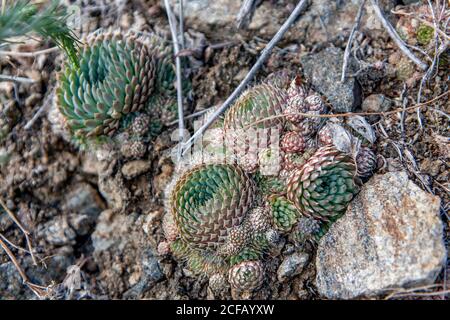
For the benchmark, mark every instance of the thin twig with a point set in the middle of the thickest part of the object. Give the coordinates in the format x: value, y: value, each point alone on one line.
x: 193, y: 115
x: 394, y: 35
x: 176, y: 48
x: 397, y: 292
x: 428, y: 75
x: 16, y: 79
x: 348, y: 48
x: 181, y: 22
x: 28, y: 54
x: 38, y: 290
x: 39, y: 113
x: 245, y: 13
x: 18, y: 248
x: 404, y: 99
x: 21, y: 227
x: 264, y: 55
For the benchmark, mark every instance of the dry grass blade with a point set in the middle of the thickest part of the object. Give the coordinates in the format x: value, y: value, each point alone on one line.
x: 348, y: 48
x: 40, y: 291
x: 28, y: 54
x: 245, y: 13
x: 176, y: 47
x: 21, y: 227
x: 16, y: 79
x: 415, y: 291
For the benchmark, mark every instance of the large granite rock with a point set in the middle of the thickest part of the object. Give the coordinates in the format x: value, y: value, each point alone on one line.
x: 391, y: 236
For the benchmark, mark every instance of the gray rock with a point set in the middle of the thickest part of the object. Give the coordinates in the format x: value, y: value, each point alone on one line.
x: 112, y: 188
x: 57, y: 231
x: 11, y: 285
x: 203, y: 14
x: 109, y: 231
x: 151, y: 274
x: 151, y: 268
x: 324, y: 70
x: 84, y: 200
x: 292, y: 265
x: 135, y: 168
x: 391, y: 236
x: 376, y: 103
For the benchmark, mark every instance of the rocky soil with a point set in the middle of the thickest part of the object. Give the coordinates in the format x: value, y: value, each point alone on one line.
x: 95, y: 218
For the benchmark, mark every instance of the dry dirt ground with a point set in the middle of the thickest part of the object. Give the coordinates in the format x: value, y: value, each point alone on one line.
x: 86, y: 248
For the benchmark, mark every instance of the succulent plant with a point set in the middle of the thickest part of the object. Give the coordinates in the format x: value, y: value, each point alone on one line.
x: 238, y: 238
x: 249, y: 253
x: 208, y: 201
x: 284, y: 213
x: 257, y: 103
x: 295, y: 104
x: 293, y: 161
x: 258, y: 219
x: 268, y: 185
x: 140, y: 125
x: 325, y: 136
x: 218, y: 283
x: 366, y: 162
x: 269, y: 161
x: 257, y: 109
x: 163, y: 248
x: 169, y: 227
x: 415, y: 25
x: 246, y: 276
x: 117, y: 76
x: 249, y: 162
x: 425, y: 34
x: 324, y: 185
x: 293, y: 142
x: 180, y: 249
x: 135, y: 148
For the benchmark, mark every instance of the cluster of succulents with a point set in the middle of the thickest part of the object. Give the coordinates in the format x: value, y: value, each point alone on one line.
x: 122, y: 83
x: 224, y: 216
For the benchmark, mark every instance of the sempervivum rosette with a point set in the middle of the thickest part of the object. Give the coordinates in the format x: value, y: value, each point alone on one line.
x: 238, y: 238
x: 117, y: 76
x: 295, y: 103
x: 284, y: 213
x: 246, y: 276
x: 324, y: 185
x: 258, y: 219
x: 293, y: 142
x: 208, y: 201
x: 366, y: 162
x: 253, y: 118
